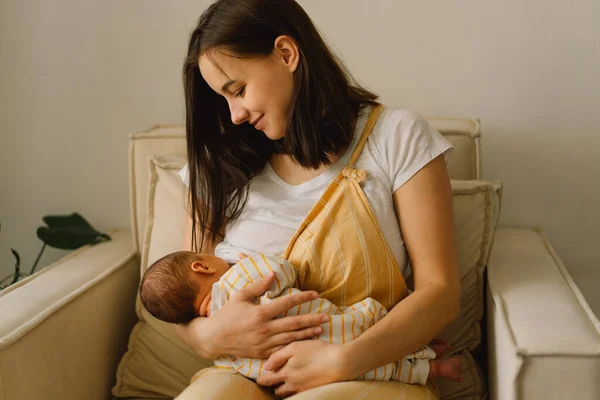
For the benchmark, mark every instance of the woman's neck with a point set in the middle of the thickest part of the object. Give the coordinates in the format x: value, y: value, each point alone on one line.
x: 291, y: 172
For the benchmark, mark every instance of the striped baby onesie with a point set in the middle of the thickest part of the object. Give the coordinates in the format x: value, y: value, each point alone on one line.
x: 346, y: 324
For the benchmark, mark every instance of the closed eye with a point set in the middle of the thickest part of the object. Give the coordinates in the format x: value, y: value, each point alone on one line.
x: 241, y: 92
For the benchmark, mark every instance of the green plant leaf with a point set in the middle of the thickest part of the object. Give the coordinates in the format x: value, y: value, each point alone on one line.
x: 69, y: 232
x: 70, y: 238
x: 57, y: 221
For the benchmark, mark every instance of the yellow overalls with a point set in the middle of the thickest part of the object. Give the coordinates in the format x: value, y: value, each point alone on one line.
x: 339, y: 250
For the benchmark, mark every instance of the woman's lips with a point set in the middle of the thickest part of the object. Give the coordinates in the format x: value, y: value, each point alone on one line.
x: 256, y: 123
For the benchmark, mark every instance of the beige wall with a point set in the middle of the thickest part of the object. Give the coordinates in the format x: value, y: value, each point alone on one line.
x: 77, y: 76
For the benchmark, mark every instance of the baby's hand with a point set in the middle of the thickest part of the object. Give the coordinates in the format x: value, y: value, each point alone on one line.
x: 242, y: 256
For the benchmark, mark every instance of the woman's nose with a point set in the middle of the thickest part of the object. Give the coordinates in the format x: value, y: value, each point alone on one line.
x: 238, y: 114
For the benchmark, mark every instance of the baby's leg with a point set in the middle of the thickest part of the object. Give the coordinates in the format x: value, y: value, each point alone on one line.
x: 415, y: 368
x: 348, y: 323
x: 440, y: 346
x: 446, y: 369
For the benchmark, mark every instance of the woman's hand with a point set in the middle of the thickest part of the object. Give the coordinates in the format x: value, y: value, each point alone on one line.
x: 300, y: 366
x: 243, y: 329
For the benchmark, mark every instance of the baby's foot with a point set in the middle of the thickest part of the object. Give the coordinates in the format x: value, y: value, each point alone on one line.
x: 439, y: 346
x: 446, y: 369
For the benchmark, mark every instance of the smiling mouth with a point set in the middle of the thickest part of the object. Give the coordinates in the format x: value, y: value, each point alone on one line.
x: 256, y: 120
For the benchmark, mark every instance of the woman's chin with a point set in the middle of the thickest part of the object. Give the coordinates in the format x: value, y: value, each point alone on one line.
x: 273, y: 135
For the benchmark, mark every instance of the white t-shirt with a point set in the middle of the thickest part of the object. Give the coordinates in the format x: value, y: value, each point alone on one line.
x: 401, y: 143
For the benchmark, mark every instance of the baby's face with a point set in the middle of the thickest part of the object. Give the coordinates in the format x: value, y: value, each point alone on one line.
x: 207, y: 270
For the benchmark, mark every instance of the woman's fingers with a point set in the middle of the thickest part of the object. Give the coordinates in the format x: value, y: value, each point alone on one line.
x: 279, y: 358
x: 296, y: 323
x: 271, y: 351
x: 285, y: 303
x: 278, y: 341
x: 271, y: 379
x: 254, y: 290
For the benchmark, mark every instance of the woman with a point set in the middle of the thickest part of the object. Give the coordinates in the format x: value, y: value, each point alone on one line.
x: 272, y: 119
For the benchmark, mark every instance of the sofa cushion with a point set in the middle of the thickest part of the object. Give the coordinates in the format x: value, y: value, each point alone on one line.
x: 159, y: 364
x: 156, y: 365
x: 476, y: 211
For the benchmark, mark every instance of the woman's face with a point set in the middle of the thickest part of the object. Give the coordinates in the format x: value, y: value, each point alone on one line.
x: 258, y: 90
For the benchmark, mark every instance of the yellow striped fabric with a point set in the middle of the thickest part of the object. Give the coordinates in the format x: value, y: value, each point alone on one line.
x: 342, y: 327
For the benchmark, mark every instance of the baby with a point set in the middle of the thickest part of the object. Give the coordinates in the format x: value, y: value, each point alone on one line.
x: 184, y: 285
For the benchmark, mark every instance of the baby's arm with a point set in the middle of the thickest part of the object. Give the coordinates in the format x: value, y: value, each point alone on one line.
x: 249, y: 270
x: 285, y: 273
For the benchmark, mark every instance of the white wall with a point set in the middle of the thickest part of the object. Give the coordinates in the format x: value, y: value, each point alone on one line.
x: 77, y: 76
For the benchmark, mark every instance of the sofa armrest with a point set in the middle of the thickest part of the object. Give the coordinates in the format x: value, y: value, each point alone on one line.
x: 64, y: 329
x: 543, y: 339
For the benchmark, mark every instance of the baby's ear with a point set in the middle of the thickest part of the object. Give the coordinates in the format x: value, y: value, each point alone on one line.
x: 202, y: 268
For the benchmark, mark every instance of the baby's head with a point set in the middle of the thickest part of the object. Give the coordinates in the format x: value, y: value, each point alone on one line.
x: 177, y: 288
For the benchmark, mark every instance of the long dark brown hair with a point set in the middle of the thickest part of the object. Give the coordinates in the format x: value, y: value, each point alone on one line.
x: 224, y: 157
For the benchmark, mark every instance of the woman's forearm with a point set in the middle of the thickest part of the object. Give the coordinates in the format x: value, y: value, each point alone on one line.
x: 188, y: 334
x: 411, y: 324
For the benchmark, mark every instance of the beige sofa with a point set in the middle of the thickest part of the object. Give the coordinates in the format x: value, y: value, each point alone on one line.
x: 64, y: 331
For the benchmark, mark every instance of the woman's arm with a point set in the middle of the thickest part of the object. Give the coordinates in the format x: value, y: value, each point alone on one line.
x: 243, y: 329
x: 424, y: 206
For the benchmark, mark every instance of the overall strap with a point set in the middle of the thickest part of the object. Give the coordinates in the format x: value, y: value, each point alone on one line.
x: 373, y: 117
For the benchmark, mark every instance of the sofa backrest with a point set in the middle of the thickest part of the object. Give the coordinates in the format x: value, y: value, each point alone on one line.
x: 169, y: 140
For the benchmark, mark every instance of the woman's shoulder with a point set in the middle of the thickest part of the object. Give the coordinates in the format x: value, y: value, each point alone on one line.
x: 403, y: 141
x: 396, y: 121
x: 399, y: 129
